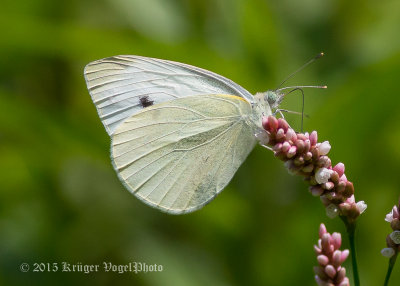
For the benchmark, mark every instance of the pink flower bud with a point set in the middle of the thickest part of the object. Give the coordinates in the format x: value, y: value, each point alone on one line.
x: 322, y: 175
x: 307, y: 145
x: 330, y: 271
x: 322, y: 259
x: 336, y: 240
x: 334, y: 177
x: 316, y: 190
x: 291, y: 135
x: 322, y: 230
x: 341, y: 275
x: 339, y: 168
x: 313, y: 138
x: 362, y: 206
x: 308, y: 156
x: 291, y: 152
x: 324, y: 148
x: 396, y: 212
x: 300, y: 146
x: 280, y: 134
x: 285, y: 146
x: 330, y: 259
x: 345, y: 282
x: 328, y: 186
x: 283, y: 124
x: 277, y: 147
x: 336, y: 258
x: 308, y: 168
x: 345, y: 254
x: 271, y: 124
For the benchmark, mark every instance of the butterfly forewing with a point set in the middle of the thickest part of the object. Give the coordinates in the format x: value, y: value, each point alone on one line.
x: 178, y: 155
x: 121, y: 86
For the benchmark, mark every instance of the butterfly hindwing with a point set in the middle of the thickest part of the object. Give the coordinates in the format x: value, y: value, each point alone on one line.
x: 178, y: 155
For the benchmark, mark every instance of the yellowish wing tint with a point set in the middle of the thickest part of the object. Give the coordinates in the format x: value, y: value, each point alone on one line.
x: 178, y: 155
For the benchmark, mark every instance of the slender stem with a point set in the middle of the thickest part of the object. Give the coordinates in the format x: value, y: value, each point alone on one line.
x: 392, y: 261
x: 351, y: 228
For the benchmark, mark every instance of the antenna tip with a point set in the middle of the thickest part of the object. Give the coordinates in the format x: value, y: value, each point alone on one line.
x: 325, y: 86
x: 321, y: 54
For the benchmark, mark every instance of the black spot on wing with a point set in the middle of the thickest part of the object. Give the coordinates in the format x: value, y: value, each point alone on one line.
x: 145, y: 101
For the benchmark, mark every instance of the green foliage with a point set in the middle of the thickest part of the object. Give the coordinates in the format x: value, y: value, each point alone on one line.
x: 60, y: 199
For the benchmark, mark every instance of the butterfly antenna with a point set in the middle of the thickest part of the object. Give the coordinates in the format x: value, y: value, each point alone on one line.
x: 302, y: 107
x: 299, y: 69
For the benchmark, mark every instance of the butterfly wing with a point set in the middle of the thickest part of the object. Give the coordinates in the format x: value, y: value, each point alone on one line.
x: 121, y: 86
x: 178, y: 155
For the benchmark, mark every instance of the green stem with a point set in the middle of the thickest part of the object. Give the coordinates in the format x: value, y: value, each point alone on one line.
x: 392, y: 261
x: 351, y: 229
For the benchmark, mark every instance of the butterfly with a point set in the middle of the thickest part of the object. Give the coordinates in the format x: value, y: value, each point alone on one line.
x: 178, y: 132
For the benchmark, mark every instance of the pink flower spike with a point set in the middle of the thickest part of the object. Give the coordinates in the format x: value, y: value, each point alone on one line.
x: 330, y: 258
x: 304, y: 156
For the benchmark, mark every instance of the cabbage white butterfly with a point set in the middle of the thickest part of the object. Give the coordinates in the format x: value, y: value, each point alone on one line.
x: 178, y: 132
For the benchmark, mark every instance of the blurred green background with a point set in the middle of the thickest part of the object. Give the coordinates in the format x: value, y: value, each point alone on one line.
x: 60, y: 199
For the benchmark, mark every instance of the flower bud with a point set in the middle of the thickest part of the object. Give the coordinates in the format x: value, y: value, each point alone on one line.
x: 280, y: 134
x: 313, y: 138
x: 292, y: 151
x: 322, y: 175
x: 388, y: 252
x: 395, y: 236
x: 324, y: 148
x: 339, y: 168
x: 283, y: 124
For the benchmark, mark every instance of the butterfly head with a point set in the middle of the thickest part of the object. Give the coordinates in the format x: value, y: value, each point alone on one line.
x: 273, y: 97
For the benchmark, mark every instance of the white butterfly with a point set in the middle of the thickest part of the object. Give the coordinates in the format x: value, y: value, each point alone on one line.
x: 179, y: 133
